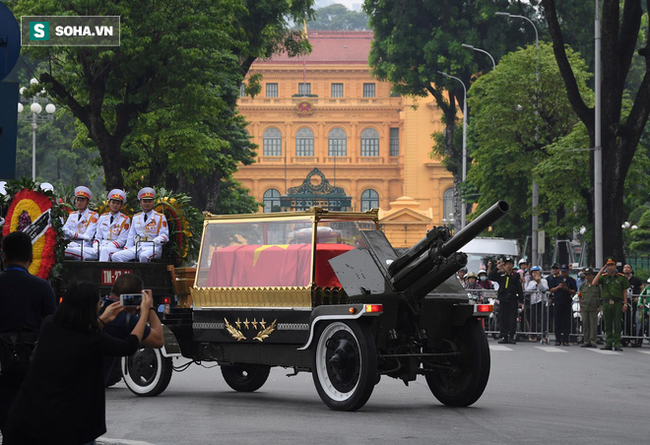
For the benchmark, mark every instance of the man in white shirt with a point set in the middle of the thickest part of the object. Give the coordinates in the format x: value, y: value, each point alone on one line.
x: 80, y: 228
x: 113, y: 227
x: 148, y: 232
x: 536, y: 290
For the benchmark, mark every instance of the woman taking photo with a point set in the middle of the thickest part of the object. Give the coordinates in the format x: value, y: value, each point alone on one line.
x: 62, y: 399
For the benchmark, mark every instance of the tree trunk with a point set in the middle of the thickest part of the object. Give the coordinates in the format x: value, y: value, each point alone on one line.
x: 204, y: 190
x: 620, y: 136
x: 614, y: 173
x: 111, y: 154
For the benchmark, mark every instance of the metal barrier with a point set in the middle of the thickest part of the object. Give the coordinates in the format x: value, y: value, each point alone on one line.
x: 535, y: 319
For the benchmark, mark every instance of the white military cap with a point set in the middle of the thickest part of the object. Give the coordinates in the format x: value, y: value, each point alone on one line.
x: 83, y: 192
x: 46, y: 186
x: 146, y: 192
x: 117, y: 194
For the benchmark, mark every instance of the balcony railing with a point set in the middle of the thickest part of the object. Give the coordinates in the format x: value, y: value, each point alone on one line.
x: 371, y: 160
x: 337, y: 159
x: 304, y: 160
x: 270, y: 159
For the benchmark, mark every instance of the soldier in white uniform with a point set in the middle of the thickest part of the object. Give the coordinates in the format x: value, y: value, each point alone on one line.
x: 148, y: 232
x: 80, y: 227
x: 113, y: 227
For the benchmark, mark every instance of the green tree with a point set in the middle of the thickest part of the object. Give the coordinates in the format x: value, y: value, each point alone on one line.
x: 176, y: 58
x: 519, y: 113
x: 414, y: 41
x: 621, y: 130
x: 185, y: 151
x: 641, y: 236
x: 338, y: 18
x: 59, y: 161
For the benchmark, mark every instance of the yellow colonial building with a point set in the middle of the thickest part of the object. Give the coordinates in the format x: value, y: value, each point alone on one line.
x: 330, y: 134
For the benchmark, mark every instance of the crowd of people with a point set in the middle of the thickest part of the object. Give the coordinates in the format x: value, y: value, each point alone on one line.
x: 113, y: 236
x: 550, y: 299
x: 55, y: 360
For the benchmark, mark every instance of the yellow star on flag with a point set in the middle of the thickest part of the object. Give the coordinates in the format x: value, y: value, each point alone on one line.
x: 260, y: 249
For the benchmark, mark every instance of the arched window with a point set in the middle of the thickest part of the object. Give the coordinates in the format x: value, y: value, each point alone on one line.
x: 448, y: 204
x: 369, y: 200
x: 272, y: 142
x: 271, y: 201
x: 338, y: 143
x: 369, y: 142
x: 305, y: 142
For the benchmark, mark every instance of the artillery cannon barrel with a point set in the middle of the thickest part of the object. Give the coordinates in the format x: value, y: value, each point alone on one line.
x: 473, y: 229
x: 436, y: 245
x: 416, y: 250
x: 437, y: 276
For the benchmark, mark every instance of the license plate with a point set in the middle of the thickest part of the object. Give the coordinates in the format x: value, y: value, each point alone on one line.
x: 110, y: 275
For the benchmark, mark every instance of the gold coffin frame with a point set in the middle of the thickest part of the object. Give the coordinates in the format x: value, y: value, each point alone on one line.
x: 269, y: 297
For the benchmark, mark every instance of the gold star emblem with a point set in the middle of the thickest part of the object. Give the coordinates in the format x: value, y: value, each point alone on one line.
x: 254, y: 323
x: 238, y: 323
x: 263, y: 324
x: 246, y: 323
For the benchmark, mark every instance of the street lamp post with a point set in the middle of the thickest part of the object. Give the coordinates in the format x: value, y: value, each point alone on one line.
x: 463, y: 210
x: 535, y: 191
x: 473, y: 48
x: 36, y: 117
x: 598, y: 149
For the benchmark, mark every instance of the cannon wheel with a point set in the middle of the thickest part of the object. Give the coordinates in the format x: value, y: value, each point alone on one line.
x: 345, y: 365
x: 147, y: 373
x: 464, y: 382
x: 245, y: 377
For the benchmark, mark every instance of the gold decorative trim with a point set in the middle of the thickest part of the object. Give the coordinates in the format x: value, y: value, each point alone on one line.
x: 261, y: 335
x: 251, y: 297
x: 234, y: 332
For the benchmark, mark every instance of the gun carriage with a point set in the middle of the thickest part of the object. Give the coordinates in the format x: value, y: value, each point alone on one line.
x: 326, y: 293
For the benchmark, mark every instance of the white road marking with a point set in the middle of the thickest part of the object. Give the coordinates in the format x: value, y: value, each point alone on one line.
x: 108, y: 441
x: 500, y: 348
x: 551, y: 349
x: 605, y: 351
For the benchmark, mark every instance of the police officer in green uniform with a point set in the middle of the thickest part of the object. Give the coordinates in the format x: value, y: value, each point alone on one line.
x: 590, y: 297
x: 614, y: 291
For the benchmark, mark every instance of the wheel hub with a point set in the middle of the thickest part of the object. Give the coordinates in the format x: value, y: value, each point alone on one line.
x: 342, y: 363
x: 142, y: 366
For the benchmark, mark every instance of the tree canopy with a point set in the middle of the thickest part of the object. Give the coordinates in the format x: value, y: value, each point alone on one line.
x: 337, y: 17
x: 622, y: 127
x: 519, y: 111
x: 417, y: 40
x: 177, y: 71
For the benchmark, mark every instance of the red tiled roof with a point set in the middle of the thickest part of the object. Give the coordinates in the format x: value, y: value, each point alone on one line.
x: 332, y: 46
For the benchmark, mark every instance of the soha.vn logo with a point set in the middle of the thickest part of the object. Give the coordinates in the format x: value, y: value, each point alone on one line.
x: 39, y: 31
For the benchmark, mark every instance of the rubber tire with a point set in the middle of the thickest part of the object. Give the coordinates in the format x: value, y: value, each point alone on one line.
x: 147, y: 373
x: 349, y: 387
x: 465, y: 385
x: 245, y: 377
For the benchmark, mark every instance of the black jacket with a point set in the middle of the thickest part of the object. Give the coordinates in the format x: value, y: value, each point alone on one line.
x: 25, y: 300
x: 62, y: 399
x: 510, y: 287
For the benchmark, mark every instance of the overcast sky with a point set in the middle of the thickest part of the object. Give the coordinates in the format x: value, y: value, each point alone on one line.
x: 354, y: 5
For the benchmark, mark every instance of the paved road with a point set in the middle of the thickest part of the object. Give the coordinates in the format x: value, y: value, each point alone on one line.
x: 536, y: 395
